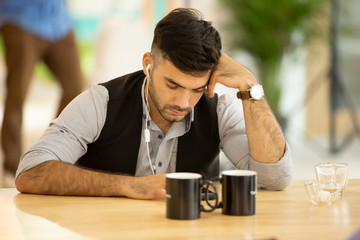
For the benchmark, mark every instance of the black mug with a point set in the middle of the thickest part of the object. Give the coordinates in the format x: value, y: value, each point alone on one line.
x: 239, y: 188
x: 183, y: 195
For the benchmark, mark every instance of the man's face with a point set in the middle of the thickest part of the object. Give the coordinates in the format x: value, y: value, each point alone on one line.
x: 172, y: 93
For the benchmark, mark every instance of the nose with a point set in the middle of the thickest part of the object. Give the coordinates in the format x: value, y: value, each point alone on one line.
x: 182, y: 99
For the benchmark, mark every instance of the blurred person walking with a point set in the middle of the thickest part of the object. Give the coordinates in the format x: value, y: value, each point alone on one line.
x: 33, y: 31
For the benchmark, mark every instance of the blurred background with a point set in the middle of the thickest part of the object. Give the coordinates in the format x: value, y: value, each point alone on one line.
x: 305, y: 53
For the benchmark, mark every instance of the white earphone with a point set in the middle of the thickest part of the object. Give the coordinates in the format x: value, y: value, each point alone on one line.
x: 147, y: 69
x: 147, y: 131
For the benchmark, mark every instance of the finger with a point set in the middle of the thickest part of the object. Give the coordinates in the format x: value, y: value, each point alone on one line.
x: 210, y: 88
x: 161, y: 194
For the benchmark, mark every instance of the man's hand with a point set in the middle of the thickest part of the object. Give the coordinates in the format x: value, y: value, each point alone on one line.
x: 148, y: 187
x: 230, y: 74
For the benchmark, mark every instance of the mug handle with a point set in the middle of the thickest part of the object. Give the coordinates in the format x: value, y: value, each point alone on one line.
x: 218, y: 179
x: 212, y: 207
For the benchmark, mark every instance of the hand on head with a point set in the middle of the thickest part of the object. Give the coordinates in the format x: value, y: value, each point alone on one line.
x: 231, y: 74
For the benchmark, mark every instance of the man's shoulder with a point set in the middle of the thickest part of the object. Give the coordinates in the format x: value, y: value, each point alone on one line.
x: 124, y: 85
x: 130, y: 77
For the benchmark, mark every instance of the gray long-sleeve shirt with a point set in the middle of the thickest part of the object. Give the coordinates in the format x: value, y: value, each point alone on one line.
x: 82, y: 120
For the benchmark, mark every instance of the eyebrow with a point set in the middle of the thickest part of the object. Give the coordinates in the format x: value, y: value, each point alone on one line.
x: 177, y: 84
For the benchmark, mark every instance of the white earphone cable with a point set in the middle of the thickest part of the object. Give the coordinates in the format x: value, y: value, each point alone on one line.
x: 147, y: 131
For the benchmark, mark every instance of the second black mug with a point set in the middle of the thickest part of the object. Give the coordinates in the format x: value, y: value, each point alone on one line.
x: 239, y: 188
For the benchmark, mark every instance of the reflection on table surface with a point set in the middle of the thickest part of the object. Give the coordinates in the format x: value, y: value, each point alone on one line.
x: 284, y: 214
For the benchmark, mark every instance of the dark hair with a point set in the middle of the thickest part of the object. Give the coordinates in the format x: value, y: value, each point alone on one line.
x: 189, y: 42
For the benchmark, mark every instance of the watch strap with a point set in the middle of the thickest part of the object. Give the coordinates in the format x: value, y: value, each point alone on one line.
x: 243, y: 95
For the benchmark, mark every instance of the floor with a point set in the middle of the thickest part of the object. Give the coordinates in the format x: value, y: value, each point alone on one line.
x: 40, y: 109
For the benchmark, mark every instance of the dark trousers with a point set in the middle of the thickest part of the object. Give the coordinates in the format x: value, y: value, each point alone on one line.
x: 22, y: 51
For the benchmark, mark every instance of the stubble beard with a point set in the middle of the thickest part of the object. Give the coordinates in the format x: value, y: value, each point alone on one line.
x: 162, y: 110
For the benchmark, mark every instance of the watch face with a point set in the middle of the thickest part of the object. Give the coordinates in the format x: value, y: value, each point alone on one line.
x: 257, y: 92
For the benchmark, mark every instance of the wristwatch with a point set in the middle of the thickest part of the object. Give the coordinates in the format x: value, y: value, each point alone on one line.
x: 256, y: 92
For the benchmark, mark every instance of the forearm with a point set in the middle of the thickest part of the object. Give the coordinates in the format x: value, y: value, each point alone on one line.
x: 265, y: 137
x: 59, y: 178
x: 266, y: 140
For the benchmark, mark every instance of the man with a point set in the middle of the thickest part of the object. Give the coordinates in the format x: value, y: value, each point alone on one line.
x: 34, y: 31
x: 121, y: 137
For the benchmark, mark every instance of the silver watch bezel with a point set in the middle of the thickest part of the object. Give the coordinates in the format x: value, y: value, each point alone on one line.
x: 256, y: 92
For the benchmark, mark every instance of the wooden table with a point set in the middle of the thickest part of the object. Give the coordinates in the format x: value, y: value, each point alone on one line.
x: 286, y: 214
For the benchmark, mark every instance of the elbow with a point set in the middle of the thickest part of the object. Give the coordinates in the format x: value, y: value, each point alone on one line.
x: 278, y: 184
x: 25, y: 183
x: 33, y: 180
x: 20, y: 184
x: 281, y: 185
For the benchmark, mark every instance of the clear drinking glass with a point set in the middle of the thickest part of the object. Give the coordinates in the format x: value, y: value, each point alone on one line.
x: 323, y: 193
x: 330, y: 172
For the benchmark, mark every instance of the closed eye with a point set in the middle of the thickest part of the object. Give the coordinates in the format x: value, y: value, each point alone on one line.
x: 172, y: 86
x: 199, y: 90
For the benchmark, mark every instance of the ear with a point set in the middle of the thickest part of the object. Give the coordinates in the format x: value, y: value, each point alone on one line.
x: 147, y: 59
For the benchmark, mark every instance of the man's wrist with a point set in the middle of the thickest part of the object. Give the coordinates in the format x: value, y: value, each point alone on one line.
x: 255, y: 92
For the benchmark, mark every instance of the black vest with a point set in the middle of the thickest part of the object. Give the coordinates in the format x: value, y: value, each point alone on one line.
x: 116, y: 149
